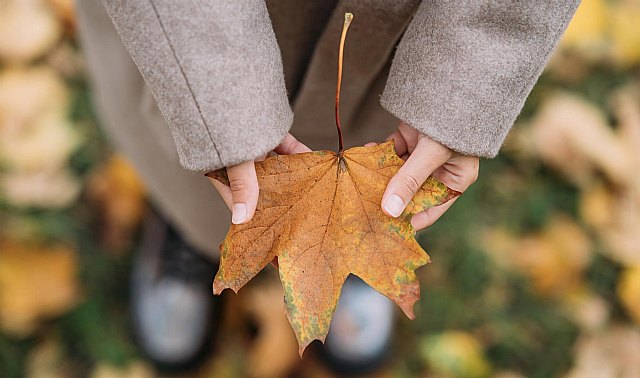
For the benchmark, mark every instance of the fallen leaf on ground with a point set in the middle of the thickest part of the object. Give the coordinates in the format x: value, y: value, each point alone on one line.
x: 119, y: 196
x: 586, y: 309
x: 46, y: 145
x: 30, y: 93
x: 46, y: 360
x: 586, y: 34
x: 28, y: 29
x: 133, y: 370
x: 625, y: 39
x: 554, y: 259
x: 612, y: 353
x: 319, y: 213
x: 615, y: 217
x: 35, y: 283
x: 274, y: 350
x: 455, y: 354
x: 574, y: 137
x: 56, y: 189
x: 66, y: 11
x: 629, y: 291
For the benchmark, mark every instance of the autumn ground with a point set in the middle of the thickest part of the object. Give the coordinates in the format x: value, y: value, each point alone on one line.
x: 535, y: 273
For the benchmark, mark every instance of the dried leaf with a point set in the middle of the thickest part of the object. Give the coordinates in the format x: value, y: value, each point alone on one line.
x: 588, y: 310
x: 554, y: 260
x: 319, y: 214
x: 28, y: 29
x: 625, y: 38
x: 629, y: 291
x: 46, y: 145
x: 274, y: 351
x: 117, y: 193
x: 574, y: 137
x: 455, y: 354
x: 66, y: 11
x: 27, y: 94
x: 46, y: 360
x: 610, y: 354
x: 615, y: 217
x: 586, y: 32
x: 132, y: 370
x: 35, y: 283
x: 55, y: 189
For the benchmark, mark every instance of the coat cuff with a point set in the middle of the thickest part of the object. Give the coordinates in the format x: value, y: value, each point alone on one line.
x: 462, y: 72
x: 215, y: 71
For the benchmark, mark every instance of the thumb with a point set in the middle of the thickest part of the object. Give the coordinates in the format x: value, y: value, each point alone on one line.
x: 426, y: 158
x: 243, y: 183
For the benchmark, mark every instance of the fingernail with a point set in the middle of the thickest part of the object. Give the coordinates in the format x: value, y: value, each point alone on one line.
x: 394, y: 205
x: 239, y: 213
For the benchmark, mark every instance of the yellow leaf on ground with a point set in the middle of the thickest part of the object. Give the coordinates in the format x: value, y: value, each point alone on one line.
x: 574, y: 137
x: 554, y: 259
x: 46, y: 360
x: 629, y: 291
x: 35, y: 132
x: 119, y: 196
x: 133, y: 370
x: 319, y: 213
x: 455, y: 354
x: 27, y: 94
x: 586, y: 32
x: 274, y: 351
x: 612, y: 353
x: 625, y: 37
x: 28, y: 29
x: 35, y: 283
x: 40, y: 189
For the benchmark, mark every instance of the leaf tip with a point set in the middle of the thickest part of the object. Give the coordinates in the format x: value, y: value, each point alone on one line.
x: 217, y: 288
x: 452, y: 193
x: 407, y: 308
x: 302, y: 347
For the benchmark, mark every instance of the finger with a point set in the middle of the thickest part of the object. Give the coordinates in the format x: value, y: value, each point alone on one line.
x: 290, y: 145
x: 399, y: 144
x: 427, y: 156
x: 458, y: 173
x: 371, y: 144
x: 428, y: 217
x: 224, y: 191
x: 410, y: 135
x: 243, y: 184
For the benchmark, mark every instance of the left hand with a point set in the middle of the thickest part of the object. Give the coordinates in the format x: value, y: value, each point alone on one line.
x: 241, y: 196
x: 425, y: 157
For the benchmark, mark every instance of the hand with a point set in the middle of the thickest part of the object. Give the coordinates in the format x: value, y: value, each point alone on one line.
x: 241, y: 196
x: 425, y: 157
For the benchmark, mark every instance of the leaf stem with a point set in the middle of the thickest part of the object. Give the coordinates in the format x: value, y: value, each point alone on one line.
x: 348, y: 17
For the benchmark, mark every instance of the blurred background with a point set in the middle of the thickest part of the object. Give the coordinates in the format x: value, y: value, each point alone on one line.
x: 535, y: 272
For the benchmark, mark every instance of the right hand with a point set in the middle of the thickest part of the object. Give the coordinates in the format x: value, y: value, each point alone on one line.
x: 425, y: 157
x: 241, y: 196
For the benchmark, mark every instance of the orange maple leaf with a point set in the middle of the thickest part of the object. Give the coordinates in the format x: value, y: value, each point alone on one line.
x: 319, y: 214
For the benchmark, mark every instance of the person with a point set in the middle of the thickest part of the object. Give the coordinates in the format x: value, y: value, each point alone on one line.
x: 202, y: 85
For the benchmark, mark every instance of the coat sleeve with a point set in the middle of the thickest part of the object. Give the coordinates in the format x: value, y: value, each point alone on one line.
x: 215, y: 70
x: 463, y: 70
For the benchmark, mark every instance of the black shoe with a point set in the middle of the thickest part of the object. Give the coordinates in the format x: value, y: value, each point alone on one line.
x: 172, y: 304
x: 360, y: 336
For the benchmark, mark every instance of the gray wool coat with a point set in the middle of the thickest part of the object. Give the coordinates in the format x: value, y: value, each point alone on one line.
x: 231, y: 78
x: 461, y: 72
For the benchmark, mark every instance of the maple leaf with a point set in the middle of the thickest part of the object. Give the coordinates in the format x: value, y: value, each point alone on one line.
x: 319, y: 214
x: 37, y: 282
